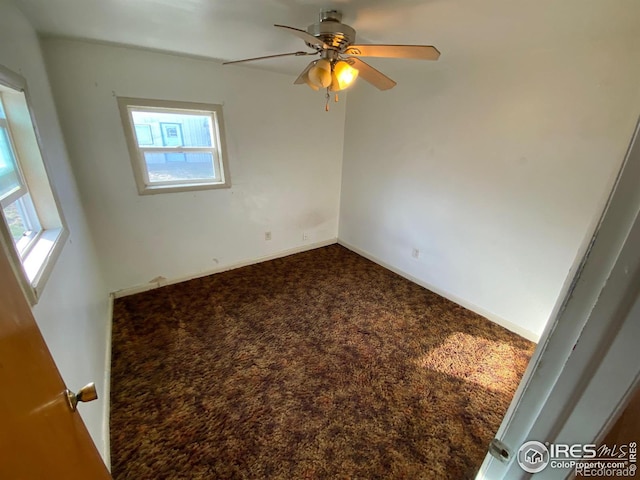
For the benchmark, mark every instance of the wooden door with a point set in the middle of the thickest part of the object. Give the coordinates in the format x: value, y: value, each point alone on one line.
x: 627, y: 427
x: 40, y: 437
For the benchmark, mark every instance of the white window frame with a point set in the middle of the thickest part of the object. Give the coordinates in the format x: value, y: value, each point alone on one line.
x: 218, y: 150
x: 21, y: 197
x: 28, y: 213
x: 32, y: 258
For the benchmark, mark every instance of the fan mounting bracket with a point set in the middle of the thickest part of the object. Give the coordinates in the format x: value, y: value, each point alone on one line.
x: 330, y: 16
x: 332, y: 32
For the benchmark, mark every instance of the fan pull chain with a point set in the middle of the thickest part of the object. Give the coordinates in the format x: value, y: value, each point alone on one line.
x: 328, y: 98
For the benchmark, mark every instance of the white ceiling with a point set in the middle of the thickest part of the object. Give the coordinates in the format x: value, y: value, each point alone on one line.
x: 235, y: 29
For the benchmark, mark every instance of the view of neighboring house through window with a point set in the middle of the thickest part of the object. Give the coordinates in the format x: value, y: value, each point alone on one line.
x: 175, y: 146
x: 32, y: 230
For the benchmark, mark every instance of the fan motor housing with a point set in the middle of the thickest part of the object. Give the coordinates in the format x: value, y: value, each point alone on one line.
x: 331, y: 31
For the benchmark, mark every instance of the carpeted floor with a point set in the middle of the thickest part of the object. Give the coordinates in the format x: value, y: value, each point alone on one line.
x: 318, y: 365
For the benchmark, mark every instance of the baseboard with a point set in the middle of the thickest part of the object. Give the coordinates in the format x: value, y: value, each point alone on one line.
x: 106, y: 389
x: 474, y: 308
x: 283, y: 253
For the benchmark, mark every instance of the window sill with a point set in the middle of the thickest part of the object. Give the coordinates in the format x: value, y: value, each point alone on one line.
x: 42, y: 256
x: 183, y: 187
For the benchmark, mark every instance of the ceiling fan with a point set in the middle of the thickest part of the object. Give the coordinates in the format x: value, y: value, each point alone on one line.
x: 339, y: 63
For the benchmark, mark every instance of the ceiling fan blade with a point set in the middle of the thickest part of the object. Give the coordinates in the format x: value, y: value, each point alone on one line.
x: 302, y: 77
x: 371, y: 75
x: 419, y: 52
x: 297, y: 54
x: 307, y: 37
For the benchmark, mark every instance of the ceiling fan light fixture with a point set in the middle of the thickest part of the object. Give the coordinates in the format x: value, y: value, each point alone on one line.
x: 343, y: 76
x: 312, y: 85
x: 320, y: 74
x: 340, y: 60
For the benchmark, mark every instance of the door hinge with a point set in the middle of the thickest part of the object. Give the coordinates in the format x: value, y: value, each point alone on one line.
x: 499, y: 450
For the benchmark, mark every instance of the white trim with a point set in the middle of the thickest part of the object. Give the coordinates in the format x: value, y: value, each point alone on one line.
x: 39, y: 263
x: 51, y: 241
x: 180, y: 149
x: 161, y: 282
x: 106, y: 388
x: 6, y: 243
x: 136, y: 152
x: 466, y: 304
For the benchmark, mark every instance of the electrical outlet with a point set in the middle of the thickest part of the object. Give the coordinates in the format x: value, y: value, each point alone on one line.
x: 415, y: 253
x: 305, y: 236
x: 267, y: 235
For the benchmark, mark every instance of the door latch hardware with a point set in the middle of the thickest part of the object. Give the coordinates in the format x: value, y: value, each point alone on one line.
x: 87, y: 393
x: 499, y: 450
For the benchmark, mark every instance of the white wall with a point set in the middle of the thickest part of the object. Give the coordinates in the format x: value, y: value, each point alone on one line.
x: 284, y: 153
x: 495, y: 170
x: 73, y: 310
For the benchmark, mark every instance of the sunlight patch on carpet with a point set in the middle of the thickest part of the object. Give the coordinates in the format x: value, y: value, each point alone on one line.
x: 488, y: 363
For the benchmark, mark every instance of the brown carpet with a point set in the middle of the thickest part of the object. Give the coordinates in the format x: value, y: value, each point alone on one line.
x: 318, y: 365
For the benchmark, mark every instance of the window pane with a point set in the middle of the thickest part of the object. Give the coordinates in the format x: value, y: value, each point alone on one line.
x: 144, y: 134
x: 2, y: 114
x: 174, y: 144
x: 9, y: 176
x: 16, y: 222
x: 23, y: 222
x: 170, y: 167
x: 171, y: 129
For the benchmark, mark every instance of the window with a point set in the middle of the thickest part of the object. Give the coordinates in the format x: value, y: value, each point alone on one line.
x: 175, y: 146
x: 33, y: 230
x: 17, y: 206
